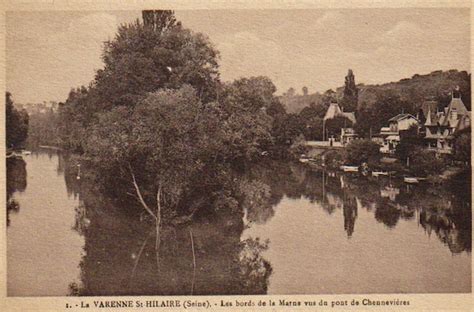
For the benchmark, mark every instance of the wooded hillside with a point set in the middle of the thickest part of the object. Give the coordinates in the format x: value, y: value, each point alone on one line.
x: 437, y: 84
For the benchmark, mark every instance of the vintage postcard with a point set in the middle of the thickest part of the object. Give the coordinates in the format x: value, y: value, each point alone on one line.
x: 237, y: 156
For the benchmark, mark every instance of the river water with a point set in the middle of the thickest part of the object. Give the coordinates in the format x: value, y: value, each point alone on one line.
x: 300, y: 232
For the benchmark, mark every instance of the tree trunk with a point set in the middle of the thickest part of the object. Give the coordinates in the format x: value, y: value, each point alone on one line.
x: 158, y: 226
x: 139, y: 194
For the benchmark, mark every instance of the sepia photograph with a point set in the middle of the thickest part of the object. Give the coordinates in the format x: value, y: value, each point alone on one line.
x: 215, y: 152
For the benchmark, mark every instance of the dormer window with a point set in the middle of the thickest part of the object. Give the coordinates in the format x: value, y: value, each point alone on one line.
x: 454, y: 114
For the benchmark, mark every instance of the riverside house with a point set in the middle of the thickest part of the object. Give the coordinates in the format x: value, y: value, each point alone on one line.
x: 440, y: 126
x: 390, y: 136
x: 347, y: 133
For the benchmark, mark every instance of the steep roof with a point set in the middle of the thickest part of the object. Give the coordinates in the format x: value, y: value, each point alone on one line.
x: 401, y: 116
x: 464, y: 122
x: 429, y: 106
x: 432, y: 118
x: 333, y: 111
x: 350, y: 115
x: 457, y: 105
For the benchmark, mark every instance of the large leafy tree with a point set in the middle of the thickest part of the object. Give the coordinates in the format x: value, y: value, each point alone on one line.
x: 387, y: 105
x: 16, y: 124
x: 314, y: 129
x: 252, y: 94
x: 313, y: 111
x: 144, y: 57
x: 157, y: 145
x: 312, y: 117
x: 246, y: 126
x: 75, y: 117
x: 158, y: 119
x: 158, y: 53
x: 171, y: 137
x: 286, y: 130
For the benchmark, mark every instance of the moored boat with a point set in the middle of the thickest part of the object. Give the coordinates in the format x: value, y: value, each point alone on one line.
x: 13, y: 155
x: 350, y: 168
x: 411, y: 180
x: 379, y: 173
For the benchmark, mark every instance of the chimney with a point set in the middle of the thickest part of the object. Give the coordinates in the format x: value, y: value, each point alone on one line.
x: 456, y: 93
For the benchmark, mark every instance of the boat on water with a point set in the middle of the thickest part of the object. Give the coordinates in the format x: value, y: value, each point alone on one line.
x: 379, y: 173
x: 26, y: 152
x: 411, y: 180
x: 305, y: 159
x: 350, y: 168
x: 13, y: 155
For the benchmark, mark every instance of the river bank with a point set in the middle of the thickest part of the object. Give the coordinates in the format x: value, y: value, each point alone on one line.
x: 333, y: 160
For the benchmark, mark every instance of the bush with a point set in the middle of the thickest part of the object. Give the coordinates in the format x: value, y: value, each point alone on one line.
x: 424, y: 162
x: 360, y: 151
x: 298, y: 147
x: 333, y: 159
x: 462, y: 146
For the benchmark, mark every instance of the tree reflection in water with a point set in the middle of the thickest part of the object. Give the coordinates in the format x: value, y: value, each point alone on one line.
x: 120, y: 260
x: 449, y: 214
x: 350, y: 215
x: 389, y: 199
x: 16, y: 182
x: 207, y: 256
x: 204, y: 257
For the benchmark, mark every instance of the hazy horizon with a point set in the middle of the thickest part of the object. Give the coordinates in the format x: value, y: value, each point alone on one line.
x: 48, y: 53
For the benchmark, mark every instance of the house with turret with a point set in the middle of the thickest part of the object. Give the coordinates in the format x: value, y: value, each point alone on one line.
x: 440, y: 126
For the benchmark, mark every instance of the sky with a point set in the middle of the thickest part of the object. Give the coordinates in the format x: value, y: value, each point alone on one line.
x: 48, y: 53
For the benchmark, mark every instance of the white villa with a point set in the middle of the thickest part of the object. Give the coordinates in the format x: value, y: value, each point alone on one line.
x: 391, y: 135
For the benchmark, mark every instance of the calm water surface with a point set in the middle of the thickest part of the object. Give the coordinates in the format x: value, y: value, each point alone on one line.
x: 43, y: 249
x: 299, y: 232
